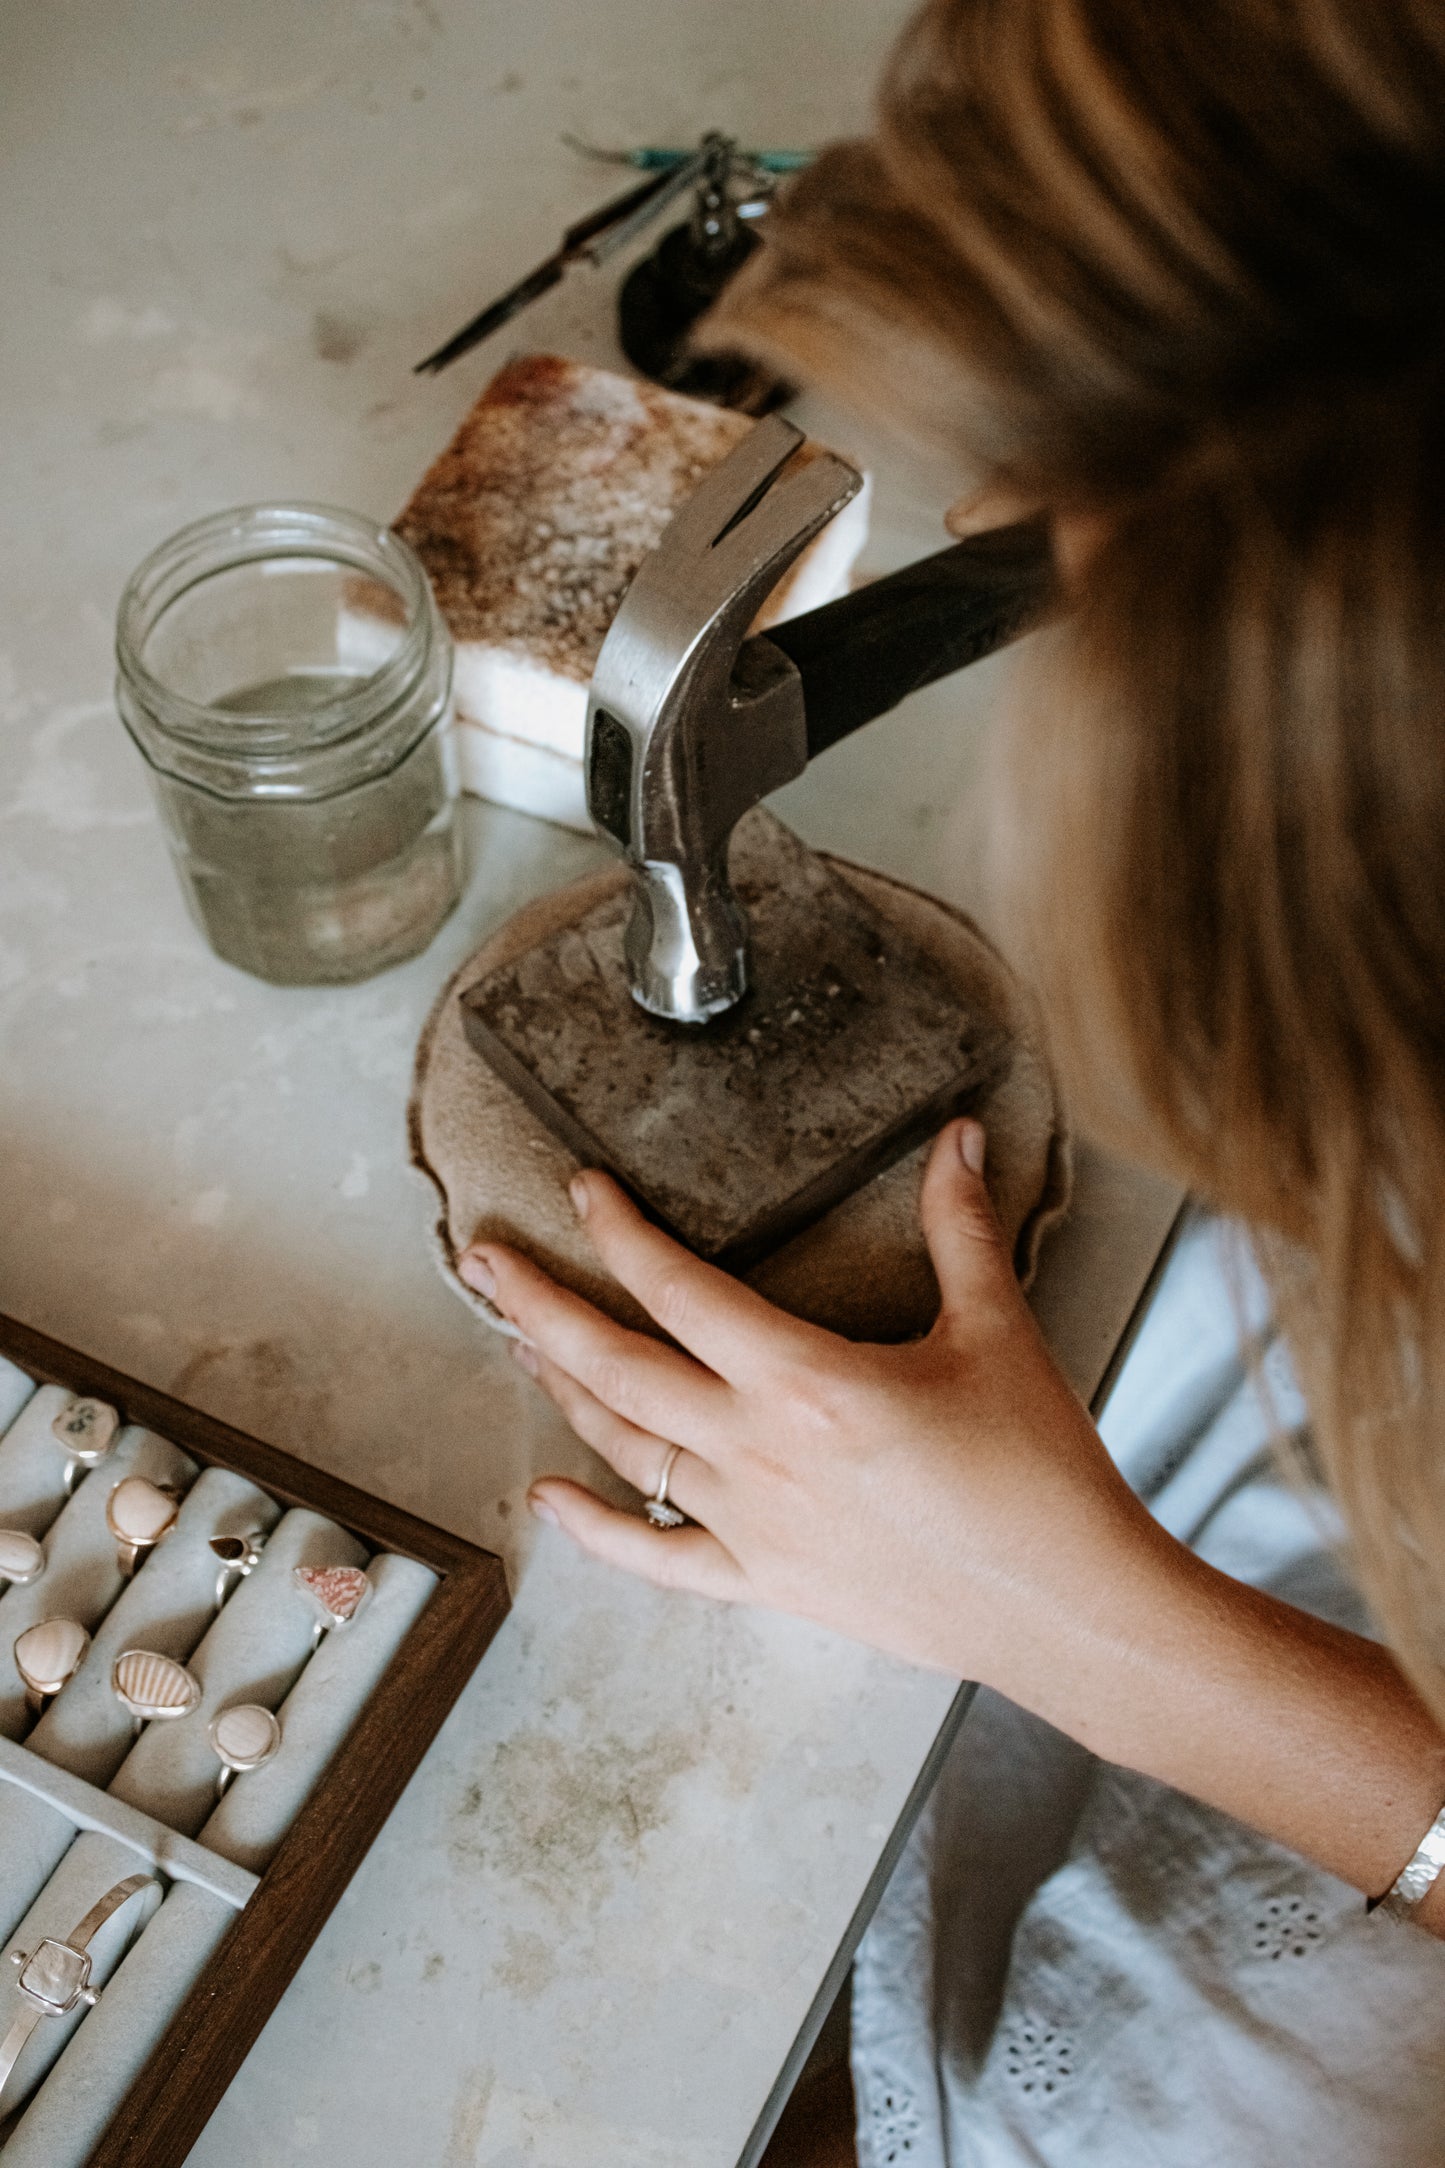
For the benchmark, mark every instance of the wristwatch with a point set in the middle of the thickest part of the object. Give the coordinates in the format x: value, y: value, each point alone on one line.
x: 55, y: 1977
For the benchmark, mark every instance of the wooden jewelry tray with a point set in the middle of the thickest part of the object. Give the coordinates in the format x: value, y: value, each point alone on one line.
x: 170, y: 2102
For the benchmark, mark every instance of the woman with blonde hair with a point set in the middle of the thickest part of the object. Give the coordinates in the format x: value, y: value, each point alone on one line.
x: 1176, y: 277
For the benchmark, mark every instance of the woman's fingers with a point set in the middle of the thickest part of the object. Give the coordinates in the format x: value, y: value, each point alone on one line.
x: 656, y: 1387
x: 639, y: 1456
x: 730, y: 1327
x: 960, y: 1225
x: 687, y: 1558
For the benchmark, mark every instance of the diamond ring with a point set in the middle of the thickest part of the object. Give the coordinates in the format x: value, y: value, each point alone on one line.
x: 47, y: 1657
x: 153, y: 1687
x: 21, y: 1558
x: 244, y: 1737
x: 139, y: 1514
x: 87, y: 1430
x: 239, y: 1555
x: 55, y: 1976
x: 659, y: 1509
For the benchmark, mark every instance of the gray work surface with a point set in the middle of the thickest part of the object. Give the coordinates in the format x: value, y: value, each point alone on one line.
x: 597, y: 1925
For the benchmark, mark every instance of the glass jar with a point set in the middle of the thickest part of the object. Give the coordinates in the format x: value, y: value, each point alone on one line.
x: 287, y: 676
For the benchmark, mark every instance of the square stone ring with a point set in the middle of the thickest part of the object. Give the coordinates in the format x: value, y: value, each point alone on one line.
x: 55, y: 1976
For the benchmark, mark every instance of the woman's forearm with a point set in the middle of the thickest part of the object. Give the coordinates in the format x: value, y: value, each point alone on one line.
x: 1304, y: 1731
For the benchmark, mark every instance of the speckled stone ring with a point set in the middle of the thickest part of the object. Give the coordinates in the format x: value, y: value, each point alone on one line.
x: 87, y: 1430
x: 335, y: 1594
x: 659, y: 1509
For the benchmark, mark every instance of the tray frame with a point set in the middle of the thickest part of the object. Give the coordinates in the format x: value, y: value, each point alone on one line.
x: 212, y: 2033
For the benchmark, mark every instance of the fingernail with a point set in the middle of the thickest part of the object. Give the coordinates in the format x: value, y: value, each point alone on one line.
x: 524, y: 1353
x: 581, y: 1200
x: 542, y: 1511
x: 478, y: 1274
x: 972, y: 1144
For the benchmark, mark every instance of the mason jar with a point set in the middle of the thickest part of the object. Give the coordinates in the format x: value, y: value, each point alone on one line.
x: 287, y: 676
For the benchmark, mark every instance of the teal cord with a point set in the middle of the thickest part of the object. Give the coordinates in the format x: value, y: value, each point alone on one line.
x: 653, y: 159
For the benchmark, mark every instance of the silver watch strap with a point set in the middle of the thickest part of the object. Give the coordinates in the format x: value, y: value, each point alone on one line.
x: 1411, y: 1887
x: 30, y: 2015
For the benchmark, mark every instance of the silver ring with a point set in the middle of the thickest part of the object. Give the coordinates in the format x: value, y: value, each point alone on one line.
x: 659, y: 1511
x: 243, y: 1737
x: 139, y: 1514
x: 21, y: 1559
x: 87, y: 1429
x: 239, y: 1555
x: 335, y: 1593
x: 47, y: 1656
x: 55, y: 1976
x: 153, y: 1687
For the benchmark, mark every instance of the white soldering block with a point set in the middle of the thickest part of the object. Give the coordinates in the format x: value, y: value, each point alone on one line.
x: 531, y: 526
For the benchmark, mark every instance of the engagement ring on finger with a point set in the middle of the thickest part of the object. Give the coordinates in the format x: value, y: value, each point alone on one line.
x: 658, y: 1509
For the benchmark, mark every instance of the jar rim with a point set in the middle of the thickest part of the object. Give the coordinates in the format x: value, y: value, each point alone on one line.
x: 249, y: 534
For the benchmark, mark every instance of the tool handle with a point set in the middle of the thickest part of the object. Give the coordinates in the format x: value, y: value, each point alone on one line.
x: 860, y: 656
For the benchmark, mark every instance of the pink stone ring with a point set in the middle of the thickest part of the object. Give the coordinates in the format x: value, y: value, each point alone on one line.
x: 335, y: 1593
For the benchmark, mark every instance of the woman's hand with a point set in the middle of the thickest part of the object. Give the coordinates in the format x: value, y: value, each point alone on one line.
x: 947, y: 1500
x: 950, y: 1501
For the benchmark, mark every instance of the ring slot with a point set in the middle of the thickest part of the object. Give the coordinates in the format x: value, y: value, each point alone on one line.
x: 82, y: 1578
x: 253, y: 1651
x: 92, y: 1866
x: 317, y: 1714
x: 168, y: 1608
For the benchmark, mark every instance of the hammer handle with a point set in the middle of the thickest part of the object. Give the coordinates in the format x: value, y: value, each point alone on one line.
x: 858, y: 657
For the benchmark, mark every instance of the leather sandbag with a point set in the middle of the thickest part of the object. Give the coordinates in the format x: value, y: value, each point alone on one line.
x: 862, y: 1270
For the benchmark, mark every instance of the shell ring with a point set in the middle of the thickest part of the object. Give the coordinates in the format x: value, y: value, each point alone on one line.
x: 659, y: 1508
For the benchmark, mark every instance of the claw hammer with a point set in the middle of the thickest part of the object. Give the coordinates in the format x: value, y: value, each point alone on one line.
x: 692, y: 720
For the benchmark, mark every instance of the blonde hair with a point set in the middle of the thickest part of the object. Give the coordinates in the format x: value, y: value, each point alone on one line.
x: 1182, y: 268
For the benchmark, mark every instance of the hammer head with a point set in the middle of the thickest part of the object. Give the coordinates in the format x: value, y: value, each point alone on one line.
x: 686, y: 729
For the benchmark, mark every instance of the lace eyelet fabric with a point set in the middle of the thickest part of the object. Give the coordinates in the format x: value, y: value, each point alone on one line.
x: 1038, y: 2058
x: 893, y: 2123
x: 1286, y: 1927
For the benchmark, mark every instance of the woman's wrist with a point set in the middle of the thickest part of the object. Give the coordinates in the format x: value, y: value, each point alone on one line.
x: 1304, y: 1730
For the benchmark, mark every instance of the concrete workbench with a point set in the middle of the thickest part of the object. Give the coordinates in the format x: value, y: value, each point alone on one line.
x: 618, y: 1894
